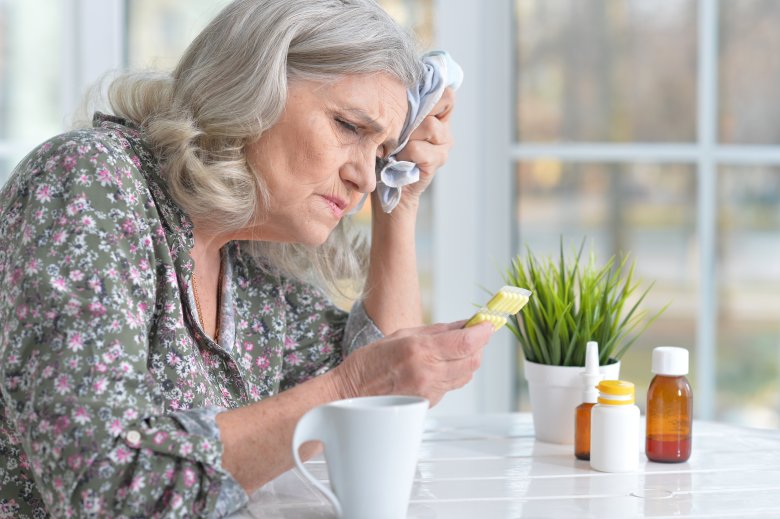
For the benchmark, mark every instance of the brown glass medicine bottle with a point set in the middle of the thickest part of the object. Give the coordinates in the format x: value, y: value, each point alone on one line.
x: 669, y: 407
x: 590, y: 377
x: 582, y: 431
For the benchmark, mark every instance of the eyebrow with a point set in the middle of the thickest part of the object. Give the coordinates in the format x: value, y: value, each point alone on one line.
x: 372, y: 125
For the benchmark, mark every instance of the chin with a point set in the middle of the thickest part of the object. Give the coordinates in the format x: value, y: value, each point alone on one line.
x: 312, y: 243
x: 314, y: 239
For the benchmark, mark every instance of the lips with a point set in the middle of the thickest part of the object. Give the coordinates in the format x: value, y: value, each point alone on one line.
x: 337, y: 205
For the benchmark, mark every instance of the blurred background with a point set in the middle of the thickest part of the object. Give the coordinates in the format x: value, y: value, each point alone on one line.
x: 649, y: 127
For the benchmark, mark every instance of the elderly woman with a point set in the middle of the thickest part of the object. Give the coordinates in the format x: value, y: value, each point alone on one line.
x: 161, y: 327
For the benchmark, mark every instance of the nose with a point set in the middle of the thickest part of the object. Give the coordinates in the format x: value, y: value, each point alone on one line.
x: 360, y: 173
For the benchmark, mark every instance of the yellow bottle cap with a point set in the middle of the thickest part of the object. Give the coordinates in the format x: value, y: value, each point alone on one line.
x: 616, y: 392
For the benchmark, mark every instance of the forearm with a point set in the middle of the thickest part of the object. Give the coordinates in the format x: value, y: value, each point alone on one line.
x: 156, y: 466
x: 256, y: 439
x: 392, y: 297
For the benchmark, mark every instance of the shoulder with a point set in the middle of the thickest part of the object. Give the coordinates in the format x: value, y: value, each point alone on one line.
x: 88, y: 154
x: 81, y: 189
x: 103, y: 165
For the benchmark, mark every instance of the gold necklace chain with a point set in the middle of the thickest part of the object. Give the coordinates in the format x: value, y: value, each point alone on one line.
x: 197, y: 301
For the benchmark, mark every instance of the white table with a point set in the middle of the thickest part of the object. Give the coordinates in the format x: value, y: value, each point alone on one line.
x: 490, y: 467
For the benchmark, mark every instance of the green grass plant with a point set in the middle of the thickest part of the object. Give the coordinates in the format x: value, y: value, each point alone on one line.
x: 574, y: 302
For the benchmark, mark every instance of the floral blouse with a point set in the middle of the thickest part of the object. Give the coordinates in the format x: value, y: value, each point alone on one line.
x: 109, y: 385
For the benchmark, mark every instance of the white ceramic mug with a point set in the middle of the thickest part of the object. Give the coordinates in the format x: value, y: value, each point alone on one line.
x: 371, y: 448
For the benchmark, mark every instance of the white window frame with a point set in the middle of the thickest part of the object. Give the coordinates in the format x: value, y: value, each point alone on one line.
x: 473, y: 194
x: 94, y: 45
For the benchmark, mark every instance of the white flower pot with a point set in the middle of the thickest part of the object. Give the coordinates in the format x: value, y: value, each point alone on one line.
x: 555, y: 393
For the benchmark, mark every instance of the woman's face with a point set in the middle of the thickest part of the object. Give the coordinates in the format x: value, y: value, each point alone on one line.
x: 319, y: 158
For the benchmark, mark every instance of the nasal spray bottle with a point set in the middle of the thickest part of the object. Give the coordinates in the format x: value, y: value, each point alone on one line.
x: 590, y: 394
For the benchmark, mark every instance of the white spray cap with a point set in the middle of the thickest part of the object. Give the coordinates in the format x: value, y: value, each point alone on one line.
x: 591, y: 376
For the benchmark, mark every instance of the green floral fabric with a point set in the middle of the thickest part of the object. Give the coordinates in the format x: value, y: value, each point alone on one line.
x: 109, y: 387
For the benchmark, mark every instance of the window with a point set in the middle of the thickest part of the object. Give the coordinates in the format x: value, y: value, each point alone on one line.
x: 158, y: 31
x: 649, y: 126
x: 31, y: 69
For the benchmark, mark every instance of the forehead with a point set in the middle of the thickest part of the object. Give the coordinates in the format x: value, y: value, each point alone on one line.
x: 379, y: 96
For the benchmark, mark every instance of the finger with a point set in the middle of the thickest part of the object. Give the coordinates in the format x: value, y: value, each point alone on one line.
x: 429, y: 329
x: 443, y: 109
x: 459, y: 372
x: 428, y: 157
x: 462, y: 343
x: 457, y: 368
x: 432, y: 130
x: 461, y: 381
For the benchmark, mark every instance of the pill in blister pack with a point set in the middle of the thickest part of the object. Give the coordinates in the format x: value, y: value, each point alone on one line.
x: 507, y: 301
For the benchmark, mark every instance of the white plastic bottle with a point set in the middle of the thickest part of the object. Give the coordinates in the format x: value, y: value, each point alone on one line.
x: 614, y: 428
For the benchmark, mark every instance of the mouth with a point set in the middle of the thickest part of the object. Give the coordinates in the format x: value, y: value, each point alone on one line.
x: 337, y: 205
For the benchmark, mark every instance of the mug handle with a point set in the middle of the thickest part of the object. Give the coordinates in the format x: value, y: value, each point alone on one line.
x: 308, y: 429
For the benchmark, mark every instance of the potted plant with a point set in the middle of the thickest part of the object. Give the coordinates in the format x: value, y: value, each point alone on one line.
x: 573, y: 302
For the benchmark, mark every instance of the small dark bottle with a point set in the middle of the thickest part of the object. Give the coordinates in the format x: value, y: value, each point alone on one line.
x: 590, y: 378
x: 669, y: 407
x: 582, y: 431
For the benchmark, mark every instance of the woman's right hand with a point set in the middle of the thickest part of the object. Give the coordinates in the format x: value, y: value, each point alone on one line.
x: 427, y: 361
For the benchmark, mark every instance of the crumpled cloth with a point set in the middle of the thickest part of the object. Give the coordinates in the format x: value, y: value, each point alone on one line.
x: 441, y: 71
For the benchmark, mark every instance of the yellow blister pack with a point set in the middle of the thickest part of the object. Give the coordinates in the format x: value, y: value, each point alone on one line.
x: 507, y: 301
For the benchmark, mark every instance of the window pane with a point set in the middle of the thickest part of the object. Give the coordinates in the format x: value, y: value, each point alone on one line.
x: 415, y: 15
x: 30, y: 104
x: 748, y: 377
x: 606, y: 71
x: 647, y: 210
x: 158, y: 31
x: 749, y: 71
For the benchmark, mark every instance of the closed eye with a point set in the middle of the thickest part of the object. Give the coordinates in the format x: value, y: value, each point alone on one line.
x: 347, y: 126
x: 356, y: 130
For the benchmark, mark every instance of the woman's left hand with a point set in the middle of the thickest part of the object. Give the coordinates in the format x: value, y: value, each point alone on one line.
x: 429, y: 145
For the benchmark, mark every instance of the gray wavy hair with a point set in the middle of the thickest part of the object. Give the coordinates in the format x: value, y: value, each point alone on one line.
x: 231, y: 85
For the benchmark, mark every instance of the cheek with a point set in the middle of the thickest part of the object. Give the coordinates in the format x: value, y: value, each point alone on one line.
x: 323, y: 168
